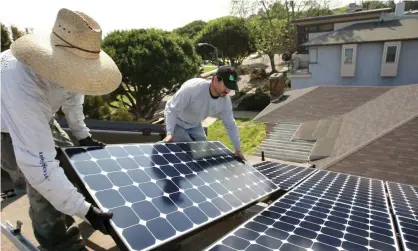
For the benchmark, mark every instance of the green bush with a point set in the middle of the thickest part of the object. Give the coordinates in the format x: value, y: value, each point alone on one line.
x: 258, y: 73
x: 243, y: 69
x: 121, y: 114
x: 254, y: 102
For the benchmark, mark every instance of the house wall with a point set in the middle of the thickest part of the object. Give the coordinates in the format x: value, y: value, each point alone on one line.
x: 327, y: 70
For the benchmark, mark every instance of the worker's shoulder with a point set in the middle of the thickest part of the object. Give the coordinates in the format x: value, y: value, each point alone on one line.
x: 196, y: 83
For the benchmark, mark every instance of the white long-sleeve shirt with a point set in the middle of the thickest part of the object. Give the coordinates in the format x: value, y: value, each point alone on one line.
x: 193, y: 103
x: 28, y: 103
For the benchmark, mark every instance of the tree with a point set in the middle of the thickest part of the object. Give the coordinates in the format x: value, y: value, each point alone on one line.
x: 270, y: 21
x: 231, y: 36
x: 153, y: 63
x: 5, y: 38
x: 191, y: 29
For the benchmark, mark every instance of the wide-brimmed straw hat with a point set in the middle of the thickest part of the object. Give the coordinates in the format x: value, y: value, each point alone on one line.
x: 71, y: 55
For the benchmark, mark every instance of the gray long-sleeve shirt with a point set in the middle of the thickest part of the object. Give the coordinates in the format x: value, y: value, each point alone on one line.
x: 193, y: 103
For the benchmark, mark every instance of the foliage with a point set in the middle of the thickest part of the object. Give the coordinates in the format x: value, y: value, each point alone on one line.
x: 251, y: 134
x: 5, y: 38
x: 190, y: 30
x: 153, y: 63
x: 286, y: 56
x: 258, y: 73
x: 95, y: 107
x: 230, y: 35
x: 254, y: 102
x: 243, y: 69
x: 122, y: 114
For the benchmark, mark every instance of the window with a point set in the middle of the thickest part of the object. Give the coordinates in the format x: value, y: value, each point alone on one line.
x: 348, y: 60
x: 348, y: 55
x: 390, y: 59
x: 313, y: 55
x: 391, y: 54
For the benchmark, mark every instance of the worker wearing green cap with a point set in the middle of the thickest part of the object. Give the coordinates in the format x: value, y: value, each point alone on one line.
x: 198, y: 99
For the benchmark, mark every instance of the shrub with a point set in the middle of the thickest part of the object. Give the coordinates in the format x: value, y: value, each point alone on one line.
x: 243, y: 69
x: 121, y: 114
x: 254, y: 102
x: 258, y: 73
x: 286, y: 56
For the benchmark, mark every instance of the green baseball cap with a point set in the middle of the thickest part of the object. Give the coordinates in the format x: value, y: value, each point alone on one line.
x: 229, y: 76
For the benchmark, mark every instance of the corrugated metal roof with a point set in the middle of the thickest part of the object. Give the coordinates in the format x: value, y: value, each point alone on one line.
x: 401, y: 29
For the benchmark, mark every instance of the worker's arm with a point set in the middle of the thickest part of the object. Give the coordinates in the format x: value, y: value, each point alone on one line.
x: 73, y: 110
x: 231, y: 127
x: 178, y: 102
x: 28, y: 124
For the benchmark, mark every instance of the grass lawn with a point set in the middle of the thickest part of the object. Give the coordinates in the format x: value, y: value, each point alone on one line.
x: 251, y: 134
x: 209, y: 67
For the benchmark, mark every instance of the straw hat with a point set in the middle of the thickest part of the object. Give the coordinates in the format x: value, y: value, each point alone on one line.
x: 71, y: 55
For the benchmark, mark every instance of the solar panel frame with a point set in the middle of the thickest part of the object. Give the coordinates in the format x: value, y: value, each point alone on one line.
x: 77, y: 177
x: 284, y: 175
x: 278, y: 228
x: 404, y: 201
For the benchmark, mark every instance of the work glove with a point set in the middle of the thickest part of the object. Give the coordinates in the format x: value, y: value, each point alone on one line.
x: 98, y: 219
x: 89, y: 141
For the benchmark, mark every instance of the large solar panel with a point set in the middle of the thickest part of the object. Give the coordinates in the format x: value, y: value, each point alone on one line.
x: 159, y: 192
x: 299, y: 222
x: 348, y: 189
x: 284, y: 175
x: 404, y: 200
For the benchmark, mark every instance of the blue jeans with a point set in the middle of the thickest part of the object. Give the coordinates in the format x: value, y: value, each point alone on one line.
x: 182, y: 134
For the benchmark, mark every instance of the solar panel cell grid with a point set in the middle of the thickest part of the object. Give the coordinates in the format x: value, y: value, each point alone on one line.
x: 404, y: 199
x: 347, y: 189
x: 159, y: 192
x: 284, y: 175
x: 302, y: 222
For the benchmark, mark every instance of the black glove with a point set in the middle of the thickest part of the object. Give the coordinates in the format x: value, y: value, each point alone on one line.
x: 99, y: 219
x: 91, y: 142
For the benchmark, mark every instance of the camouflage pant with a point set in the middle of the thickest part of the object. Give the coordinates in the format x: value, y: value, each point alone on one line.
x: 49, y: 225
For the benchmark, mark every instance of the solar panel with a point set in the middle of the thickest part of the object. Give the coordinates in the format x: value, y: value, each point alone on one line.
x: 348, y: 189
x: 299, y: 222
x: 404, y: 200
x: 159, y: 192
x: 284, y: 175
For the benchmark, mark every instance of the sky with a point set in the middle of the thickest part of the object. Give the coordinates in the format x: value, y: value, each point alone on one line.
x: 120, y: 14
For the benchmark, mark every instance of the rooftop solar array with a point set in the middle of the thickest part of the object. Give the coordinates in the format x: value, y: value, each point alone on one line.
x: 328, y: 211
x: 284, y: 175
x: 404, y: 200
x: 159, y: 192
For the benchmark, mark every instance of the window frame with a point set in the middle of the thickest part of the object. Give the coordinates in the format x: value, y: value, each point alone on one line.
x: 390, y: 69
x: 348, y: 69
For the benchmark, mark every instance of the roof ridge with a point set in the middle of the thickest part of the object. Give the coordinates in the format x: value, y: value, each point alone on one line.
x: 280, y: 104
x: 368, y: 142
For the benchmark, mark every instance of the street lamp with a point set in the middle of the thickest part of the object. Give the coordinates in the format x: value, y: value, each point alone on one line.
x: 216, y: 51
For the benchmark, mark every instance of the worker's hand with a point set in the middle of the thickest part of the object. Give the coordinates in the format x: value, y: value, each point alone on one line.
x: 89, y: 141
x: 239, y: 154
x: 168, y: 138
x: 99, y: 219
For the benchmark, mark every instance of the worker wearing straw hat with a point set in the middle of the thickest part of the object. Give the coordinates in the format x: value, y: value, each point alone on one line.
x: 38, y: 77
